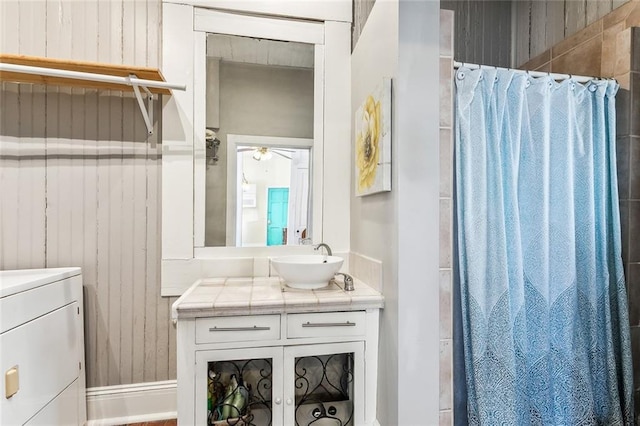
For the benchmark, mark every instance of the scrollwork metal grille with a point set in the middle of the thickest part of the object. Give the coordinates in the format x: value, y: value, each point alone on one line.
x: 324, y: 382
x: 256, y: 376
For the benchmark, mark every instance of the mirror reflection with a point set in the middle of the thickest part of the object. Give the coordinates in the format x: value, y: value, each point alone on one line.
x: 273, y: 196
x: 258, y: 188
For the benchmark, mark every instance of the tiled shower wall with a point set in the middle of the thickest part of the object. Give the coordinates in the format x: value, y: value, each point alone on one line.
x: 628, y: 155
x: 540, y: 24
x: 446, y: 216
x: 602, y: 49
x: 610, y: 47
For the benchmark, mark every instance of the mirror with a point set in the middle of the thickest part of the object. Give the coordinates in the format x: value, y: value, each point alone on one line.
x: 260, y: 130
x: 324, y: 29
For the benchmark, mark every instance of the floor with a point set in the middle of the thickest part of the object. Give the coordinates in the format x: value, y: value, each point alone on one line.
x: 172, y: 422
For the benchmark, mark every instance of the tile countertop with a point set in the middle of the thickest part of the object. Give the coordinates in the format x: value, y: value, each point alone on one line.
x: 269, y: 295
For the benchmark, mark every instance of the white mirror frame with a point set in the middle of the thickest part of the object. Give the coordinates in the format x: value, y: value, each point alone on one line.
x: 184, y: 259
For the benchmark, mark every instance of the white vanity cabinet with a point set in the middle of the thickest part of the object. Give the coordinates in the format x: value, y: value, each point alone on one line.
x: 301, y: 361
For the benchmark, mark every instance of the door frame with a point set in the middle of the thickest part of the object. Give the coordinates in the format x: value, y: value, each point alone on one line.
x: 234, y: 175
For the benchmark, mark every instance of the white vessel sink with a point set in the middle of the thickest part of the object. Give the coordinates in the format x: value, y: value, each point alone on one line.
x: 307, y: 271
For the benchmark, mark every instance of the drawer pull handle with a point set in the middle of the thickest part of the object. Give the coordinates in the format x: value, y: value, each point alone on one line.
x: 254, y: 328
x: 329, y: 324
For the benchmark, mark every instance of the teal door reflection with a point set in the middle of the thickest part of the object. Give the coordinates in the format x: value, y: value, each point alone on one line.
x: 277, y: 211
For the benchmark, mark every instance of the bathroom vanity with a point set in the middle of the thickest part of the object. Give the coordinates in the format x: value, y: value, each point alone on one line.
x: 299, y: 356
x: 42, y: 347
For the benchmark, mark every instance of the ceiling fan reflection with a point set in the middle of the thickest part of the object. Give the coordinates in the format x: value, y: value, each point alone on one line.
x: 263, y: 153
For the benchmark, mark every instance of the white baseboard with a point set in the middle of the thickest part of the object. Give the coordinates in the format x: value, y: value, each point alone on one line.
x: 135, y: 403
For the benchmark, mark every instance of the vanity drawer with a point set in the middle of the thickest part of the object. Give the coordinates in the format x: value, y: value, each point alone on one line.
x: 237, y: 329
x: 326, y: 324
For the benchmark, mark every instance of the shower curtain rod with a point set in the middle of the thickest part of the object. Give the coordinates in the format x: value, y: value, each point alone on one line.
x: 555, y: 76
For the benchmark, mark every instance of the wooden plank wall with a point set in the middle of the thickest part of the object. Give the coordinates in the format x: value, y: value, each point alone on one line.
x: 540, y: 24
x: 482, y: 31
x: 361, y: 11
x: 80, y: 180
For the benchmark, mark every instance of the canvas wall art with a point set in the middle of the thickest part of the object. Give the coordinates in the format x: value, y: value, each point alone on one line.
x: 373, y: 141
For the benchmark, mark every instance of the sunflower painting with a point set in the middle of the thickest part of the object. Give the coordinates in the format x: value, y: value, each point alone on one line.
x: 373, y: 142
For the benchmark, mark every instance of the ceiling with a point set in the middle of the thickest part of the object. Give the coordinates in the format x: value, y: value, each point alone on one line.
x: 260, y: 51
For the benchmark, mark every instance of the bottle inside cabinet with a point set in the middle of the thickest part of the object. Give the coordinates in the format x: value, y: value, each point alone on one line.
x: 239, y: 393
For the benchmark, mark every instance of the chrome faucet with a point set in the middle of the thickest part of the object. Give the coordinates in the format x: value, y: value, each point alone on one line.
x: 348, y: 281
x: 325, y: 246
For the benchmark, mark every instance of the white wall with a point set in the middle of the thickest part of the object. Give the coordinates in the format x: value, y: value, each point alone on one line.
x: 374, y: 218
x: 417, y: 125
x: 400, y: 228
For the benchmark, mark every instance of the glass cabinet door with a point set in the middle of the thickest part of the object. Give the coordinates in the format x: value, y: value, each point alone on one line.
x: 324, y: 384
x: 240, y: 387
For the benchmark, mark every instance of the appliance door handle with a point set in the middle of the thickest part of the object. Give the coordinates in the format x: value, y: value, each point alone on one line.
x: 254, y: 328
x: 329, y: 324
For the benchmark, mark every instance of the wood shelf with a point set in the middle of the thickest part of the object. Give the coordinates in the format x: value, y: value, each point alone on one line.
x: 143, y: 73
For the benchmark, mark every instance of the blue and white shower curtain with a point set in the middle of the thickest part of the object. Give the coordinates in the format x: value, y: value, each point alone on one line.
x: 544, y: 307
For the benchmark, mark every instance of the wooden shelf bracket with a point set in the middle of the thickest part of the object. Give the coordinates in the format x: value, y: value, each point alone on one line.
x: 115, y: 77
